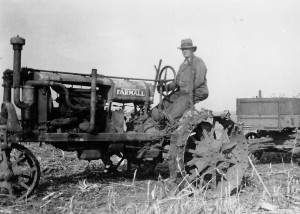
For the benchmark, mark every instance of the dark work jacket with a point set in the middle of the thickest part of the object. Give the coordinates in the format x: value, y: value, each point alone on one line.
x: 191, y: 76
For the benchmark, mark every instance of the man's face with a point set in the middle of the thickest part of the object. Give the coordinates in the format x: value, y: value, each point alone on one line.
x: 187, y: 52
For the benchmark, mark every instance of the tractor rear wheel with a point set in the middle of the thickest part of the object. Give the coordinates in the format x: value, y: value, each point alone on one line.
x: 208, y: 154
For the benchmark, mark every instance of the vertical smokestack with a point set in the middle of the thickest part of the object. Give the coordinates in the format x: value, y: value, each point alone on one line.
x: 93, y: 101
x: 17, y: 43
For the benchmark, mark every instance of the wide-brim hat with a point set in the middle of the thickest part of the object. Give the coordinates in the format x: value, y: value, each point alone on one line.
x: 187, y: 43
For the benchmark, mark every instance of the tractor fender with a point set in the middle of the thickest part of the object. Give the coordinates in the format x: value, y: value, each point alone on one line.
x: 8, y: 113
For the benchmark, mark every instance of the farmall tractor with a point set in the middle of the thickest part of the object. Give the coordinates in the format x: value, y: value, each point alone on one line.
x: 87, y: 113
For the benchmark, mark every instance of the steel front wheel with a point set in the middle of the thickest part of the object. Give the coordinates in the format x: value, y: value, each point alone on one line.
x: 23, y: 170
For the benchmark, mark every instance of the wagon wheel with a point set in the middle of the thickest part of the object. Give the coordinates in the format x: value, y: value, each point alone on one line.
x: 251, y: 135
x: 256, y: 155
x: 24, y: 170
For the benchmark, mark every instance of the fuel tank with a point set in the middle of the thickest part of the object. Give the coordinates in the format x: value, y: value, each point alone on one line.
x: 131, y: 91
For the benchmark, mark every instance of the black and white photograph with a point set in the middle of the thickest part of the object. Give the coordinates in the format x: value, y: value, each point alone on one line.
x: 149, y: 106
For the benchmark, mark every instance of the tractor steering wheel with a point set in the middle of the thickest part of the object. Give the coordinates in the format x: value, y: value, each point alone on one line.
x: 164, y: 81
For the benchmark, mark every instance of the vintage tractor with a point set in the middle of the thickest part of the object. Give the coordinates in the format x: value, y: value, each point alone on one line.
x: 99, y: 116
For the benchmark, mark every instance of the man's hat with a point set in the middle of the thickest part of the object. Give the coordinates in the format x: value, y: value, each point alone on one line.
x: 187, y: 43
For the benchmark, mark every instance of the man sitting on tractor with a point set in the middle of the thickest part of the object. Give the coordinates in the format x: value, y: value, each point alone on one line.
x: 189, y: 88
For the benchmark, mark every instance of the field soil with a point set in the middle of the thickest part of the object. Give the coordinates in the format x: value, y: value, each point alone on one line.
x: 69, y: 185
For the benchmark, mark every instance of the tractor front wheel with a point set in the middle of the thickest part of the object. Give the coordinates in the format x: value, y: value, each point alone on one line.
x: 22, y: 172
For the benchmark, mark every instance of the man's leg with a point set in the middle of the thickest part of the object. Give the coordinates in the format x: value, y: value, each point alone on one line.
x: 173, y: 107
x: 181, y: 103
x: 200, y: 97
x: 179, y: 106
x: 176, y: 110
x: 167, y: 102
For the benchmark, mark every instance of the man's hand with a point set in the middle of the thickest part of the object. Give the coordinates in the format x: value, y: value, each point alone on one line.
x: 160, y: 86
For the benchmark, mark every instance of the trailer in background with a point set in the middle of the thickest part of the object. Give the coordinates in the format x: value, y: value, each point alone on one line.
x: 270, y: 124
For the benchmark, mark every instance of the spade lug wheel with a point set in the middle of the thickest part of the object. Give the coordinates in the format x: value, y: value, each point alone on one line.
x: 210, y: 153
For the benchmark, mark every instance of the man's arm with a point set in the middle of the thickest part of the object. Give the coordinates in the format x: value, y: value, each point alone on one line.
x: 169, y: 86
x: 174, y: 85
x: 200, y: 72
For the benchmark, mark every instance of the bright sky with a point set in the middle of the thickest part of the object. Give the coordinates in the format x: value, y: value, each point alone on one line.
x: 247, y: 45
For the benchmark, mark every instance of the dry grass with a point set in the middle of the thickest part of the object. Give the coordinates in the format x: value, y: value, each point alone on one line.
x: 67, y: 187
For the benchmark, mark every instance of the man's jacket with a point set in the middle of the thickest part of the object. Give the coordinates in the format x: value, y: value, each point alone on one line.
x: 191, y: 76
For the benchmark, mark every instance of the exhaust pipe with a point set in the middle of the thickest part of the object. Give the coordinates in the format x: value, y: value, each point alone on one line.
x: 92, y: 125
x: 17, y: 43
x: 62, y: 86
